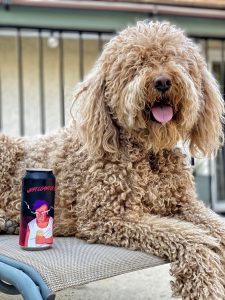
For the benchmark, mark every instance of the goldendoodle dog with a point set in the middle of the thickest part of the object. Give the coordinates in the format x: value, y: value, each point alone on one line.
x: 121, y: 179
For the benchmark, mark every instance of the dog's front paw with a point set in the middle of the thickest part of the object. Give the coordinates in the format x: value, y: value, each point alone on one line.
x: 11, y: 227
x: 2, y: 220
x: 7, y: 225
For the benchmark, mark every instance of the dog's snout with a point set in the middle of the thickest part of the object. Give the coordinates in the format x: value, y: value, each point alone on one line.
x: 162, y: 83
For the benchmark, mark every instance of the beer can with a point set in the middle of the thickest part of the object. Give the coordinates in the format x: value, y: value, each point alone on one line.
x: 37, y: 209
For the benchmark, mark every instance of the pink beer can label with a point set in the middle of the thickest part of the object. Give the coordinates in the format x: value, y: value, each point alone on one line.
x: 37, y: 209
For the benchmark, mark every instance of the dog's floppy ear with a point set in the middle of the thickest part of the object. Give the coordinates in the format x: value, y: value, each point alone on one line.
x: 91, y: 114
x: 207, y: 134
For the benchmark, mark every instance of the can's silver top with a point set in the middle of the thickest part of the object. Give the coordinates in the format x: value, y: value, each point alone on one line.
x: 39, y: 170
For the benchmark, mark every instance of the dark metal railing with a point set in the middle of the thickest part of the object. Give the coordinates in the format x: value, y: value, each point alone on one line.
x: 61, y: 71
x: 218, y: 68
x: 20, y: 58
x: 206, y: 47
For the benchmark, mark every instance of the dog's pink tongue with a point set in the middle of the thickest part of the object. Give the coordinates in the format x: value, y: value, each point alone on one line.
x: 162, y: 113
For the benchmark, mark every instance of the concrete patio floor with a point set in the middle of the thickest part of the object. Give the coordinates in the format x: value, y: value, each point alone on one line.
x: 148, y: 284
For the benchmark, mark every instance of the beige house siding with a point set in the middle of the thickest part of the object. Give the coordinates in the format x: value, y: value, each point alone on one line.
x: 31, y: 79
x: 194, y: 3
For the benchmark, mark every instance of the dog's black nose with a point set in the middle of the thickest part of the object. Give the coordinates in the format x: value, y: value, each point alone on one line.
x: 162, y: 83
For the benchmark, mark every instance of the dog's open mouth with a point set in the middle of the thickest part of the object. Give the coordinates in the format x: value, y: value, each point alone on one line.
x: 161, y: 111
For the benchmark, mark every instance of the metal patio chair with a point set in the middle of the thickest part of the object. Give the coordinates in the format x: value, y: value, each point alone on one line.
x: 71, y: 262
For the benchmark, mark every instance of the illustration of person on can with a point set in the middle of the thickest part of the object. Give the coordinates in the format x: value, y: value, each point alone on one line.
x: 40, y: 230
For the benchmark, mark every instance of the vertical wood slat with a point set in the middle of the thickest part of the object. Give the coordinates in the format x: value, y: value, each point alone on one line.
x: 81, y: 56
x: 41, y: 82
x: 20, y: 82
x: 61, y: 80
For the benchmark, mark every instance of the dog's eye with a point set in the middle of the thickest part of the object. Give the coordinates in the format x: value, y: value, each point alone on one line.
x: 141, y: 60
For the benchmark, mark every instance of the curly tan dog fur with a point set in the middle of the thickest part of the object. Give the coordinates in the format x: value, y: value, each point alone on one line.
x: 120, y: 178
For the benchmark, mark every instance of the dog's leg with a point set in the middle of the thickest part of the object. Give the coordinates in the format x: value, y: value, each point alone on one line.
x: 196, y: 212
x: 8, y: 226
x: 11, y: 160
x: 195, y: 262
